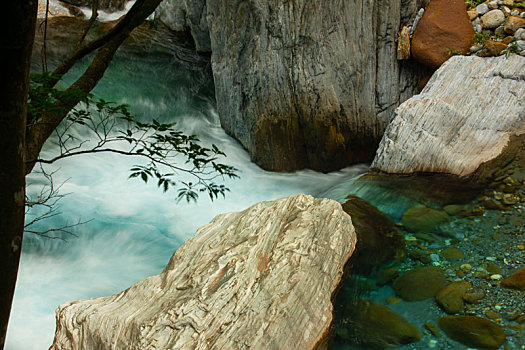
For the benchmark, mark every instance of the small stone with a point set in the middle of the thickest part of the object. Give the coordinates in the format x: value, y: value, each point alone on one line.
x: 433, y: 329
x: 450, y: 297
x: 509, y: 3
x: 472, y: 15
x: 521, y: 46
x: 452, y: 254
x: 509, y: 199
x: 434, y: 257
x: 492, y: 5
x: 494, y: 269
x: 492, y: 315
x: 420, y: 283
x: 496, y: 277
x: 482, y: 9
x: 492, y: 19
x: 519, y: 34
x: 424, y: 219
x: 506, y: 11
x: 513, y: 24
x: 492, y: 48
x: 515, y: 281
x: 476, y: 48
x: 514, y: 13
x: 466, y: 267
x: 474, y: 297
x: 507, y: 41
x: 473, y: 331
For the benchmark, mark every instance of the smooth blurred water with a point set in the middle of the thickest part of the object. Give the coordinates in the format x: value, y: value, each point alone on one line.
x: 135, y: 228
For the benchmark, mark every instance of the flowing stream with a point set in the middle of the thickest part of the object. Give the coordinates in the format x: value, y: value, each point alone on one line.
x: 134, y: 228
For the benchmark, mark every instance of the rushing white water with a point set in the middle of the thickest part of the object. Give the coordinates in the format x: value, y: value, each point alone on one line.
x: 135, y: 228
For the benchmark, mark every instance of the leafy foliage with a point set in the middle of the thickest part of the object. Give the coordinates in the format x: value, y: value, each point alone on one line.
x: 511, y: 48
x: 471, y: 4
x: 102, y: 126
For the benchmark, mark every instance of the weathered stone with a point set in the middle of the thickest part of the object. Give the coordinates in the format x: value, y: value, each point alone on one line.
x: 378, y: 239
x: 377, y: 326
x: 493, y: 4
x: 452, y: 254
x: 482, y: 9
x: 472, y: 15
x: 444, y: 28
x: 424, y: 219
x: 520, y: 34
x: 515, y: 281
x: 450, y: 297
x: 298, y: 90
x: 450, y: 126
x: 403, y: 44
x: 420, y: 283
x: 513, y: 24
x: 261, y: 278
x: 492, y: 19
x: 492, y: 48
x: 473, y: 331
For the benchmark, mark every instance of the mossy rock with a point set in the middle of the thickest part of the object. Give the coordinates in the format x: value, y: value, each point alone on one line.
x: 377, y: 326
x: 378, y: 239
x: 473, y: 331
x: 420, y: 283
x: 450, y: 297
x: 516, y: 280
x: 424, y: 219
x: 452, y: 254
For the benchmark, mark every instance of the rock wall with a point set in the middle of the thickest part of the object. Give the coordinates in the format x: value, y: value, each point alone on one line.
x: 469, y: 117
x: 262, y: 278
x: 303, y: 83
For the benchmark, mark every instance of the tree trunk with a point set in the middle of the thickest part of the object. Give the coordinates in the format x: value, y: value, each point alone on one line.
x: 16, y: 43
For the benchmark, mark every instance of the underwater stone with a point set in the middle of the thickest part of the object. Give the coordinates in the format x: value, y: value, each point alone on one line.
x: 377, y: 326
x: 261, y: 278
x: 515, y: 281
x: 378, y: 239
x: 450, y: 297
x: 473, y: 331
x: 420, y: 283
x: 424, y: 219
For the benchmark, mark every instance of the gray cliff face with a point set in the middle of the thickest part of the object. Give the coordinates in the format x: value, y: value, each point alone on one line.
x: 303, y: 83
x: 262, y: 278
x: 469, y: 118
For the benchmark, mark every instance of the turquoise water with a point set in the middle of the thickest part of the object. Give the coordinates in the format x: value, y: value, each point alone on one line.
x: 134, y: 228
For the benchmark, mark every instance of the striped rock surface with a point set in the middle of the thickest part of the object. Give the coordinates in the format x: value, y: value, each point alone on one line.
x: 471, y: 113
x: 262, y: 278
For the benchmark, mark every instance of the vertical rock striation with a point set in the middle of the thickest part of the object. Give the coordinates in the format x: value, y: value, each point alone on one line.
x: 262, y: 278
x: 303, y: 83
x: 469, y: 118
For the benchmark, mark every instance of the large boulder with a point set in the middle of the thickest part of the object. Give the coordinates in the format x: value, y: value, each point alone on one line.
x: 444, y: 29
x: 262, y: 278
x: 302, y: 83
x: 378, y: 239
x: 469, y: 119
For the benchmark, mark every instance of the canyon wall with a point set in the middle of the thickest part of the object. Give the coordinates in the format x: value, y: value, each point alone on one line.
x: 302, y: 84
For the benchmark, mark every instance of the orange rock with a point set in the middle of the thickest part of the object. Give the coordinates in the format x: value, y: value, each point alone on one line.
x: 492, y: 48
x: 513, y: 24
x: 444, y: 28
x: 516, y: 280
